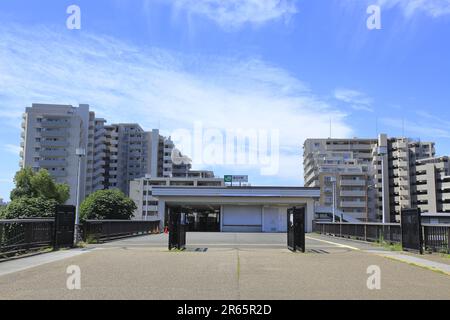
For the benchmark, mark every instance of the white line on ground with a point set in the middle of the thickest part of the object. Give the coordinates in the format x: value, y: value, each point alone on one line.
x: 21, y: 264
x: 334, y: 243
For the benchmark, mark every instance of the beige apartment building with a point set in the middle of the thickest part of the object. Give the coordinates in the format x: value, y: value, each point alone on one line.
x: 114, y: 154
x: 431, y: 185
x: 365, y: 179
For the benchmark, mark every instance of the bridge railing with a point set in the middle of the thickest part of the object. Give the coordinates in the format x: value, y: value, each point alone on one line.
x: 106, y: 230
x: 389, y: 232
x: 18, y: 236
x: 435, y: 236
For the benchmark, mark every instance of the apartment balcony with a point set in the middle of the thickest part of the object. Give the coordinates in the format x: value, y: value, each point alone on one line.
x: 52, y: 163
x: 167, y: 165
x: 99, y: 156
x: 150, y: 208
x: 54, y: 123
x: 404, y: 193
x: 53, y: 153
x: 445, y: 186
x: 349, y: 147
x: 61, y: 133
x: 353, y: 183
x: 401, y: 145
x: 60, y: 144
x: 352, y: 204
x: 59, y: 174
x: 445, y: 196
x: 401, y: 155
x: 403, y: 183
x: 400, y: 163
x: 356, y: 193
x: 422, y: 197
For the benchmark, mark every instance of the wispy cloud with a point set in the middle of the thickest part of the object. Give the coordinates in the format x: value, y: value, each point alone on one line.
x: 236, y: 13
x: 426, y: 128
x: 432, y: 8
x: 124, y: 83
x: 10, y: 148
x: 355, y: 99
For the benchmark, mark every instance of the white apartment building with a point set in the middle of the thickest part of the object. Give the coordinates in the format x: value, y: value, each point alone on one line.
x: 431, y: 185
x: 364, y: 178
x: 50, y: 136
x: 115, y: 154
x: 147, y: 205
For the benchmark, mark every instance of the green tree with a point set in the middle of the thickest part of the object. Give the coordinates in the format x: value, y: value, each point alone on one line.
x: 24, y: 207
x: 23, y: 188
x: 38, y: 185
x: 35, y: 195
x: 107, y: 205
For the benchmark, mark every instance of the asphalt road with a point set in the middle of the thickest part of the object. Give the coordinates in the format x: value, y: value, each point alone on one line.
x: 234, y: 266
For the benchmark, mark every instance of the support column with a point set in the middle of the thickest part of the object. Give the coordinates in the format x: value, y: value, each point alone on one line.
x: 309, y: 215
x: 162, y: 213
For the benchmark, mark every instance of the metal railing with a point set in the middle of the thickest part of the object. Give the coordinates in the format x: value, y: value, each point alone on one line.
x: 435, y: 236
x: 105, y: 230
x: 18, y: 236
x: 389, y: 232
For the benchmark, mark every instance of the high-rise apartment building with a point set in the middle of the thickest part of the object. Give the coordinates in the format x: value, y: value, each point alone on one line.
x: 115, y: 154
x: 365, y: 179
x: 50, y: 136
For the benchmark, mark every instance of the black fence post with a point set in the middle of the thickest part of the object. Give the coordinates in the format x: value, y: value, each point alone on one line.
x: 448, y: 240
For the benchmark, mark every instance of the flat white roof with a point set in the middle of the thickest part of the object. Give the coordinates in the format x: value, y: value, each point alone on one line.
x: 282, y: 192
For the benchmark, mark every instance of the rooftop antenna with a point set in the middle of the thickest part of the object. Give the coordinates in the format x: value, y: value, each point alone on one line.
x: 376, y: 127
x: 403, y: 127
x: 330, y: 127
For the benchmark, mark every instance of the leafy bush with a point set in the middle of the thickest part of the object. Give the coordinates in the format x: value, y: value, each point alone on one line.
x: 107, y: 205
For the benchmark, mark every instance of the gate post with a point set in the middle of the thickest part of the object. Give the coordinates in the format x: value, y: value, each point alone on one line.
x: 296, y: 229
x: 411, y: 225
x: 177, y: 231
x: 64, y: 227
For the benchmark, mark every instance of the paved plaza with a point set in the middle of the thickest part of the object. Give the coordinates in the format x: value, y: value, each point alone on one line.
x: 225, y: 266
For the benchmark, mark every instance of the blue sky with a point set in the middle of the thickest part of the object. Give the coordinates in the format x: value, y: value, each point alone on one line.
x: 284, y: 65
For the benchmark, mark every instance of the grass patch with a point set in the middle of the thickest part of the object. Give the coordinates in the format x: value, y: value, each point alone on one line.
x: 388, y: 245
x: 418, y: 265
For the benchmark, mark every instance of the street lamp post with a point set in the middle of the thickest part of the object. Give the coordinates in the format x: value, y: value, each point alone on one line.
x: 368, y: 187
x: 80, y: 152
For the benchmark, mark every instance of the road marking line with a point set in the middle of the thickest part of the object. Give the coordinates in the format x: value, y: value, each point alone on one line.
x: 335, y: 243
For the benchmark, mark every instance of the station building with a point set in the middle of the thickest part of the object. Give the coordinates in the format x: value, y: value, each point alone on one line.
x: 235, y: 209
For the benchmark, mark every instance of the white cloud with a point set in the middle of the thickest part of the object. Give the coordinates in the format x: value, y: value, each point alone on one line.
x: 426, y: 128
x: 235, y: 13
x: 124, y: 83
x: 357, y: 100
x: 433, y: 8
x: 10, y: 148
